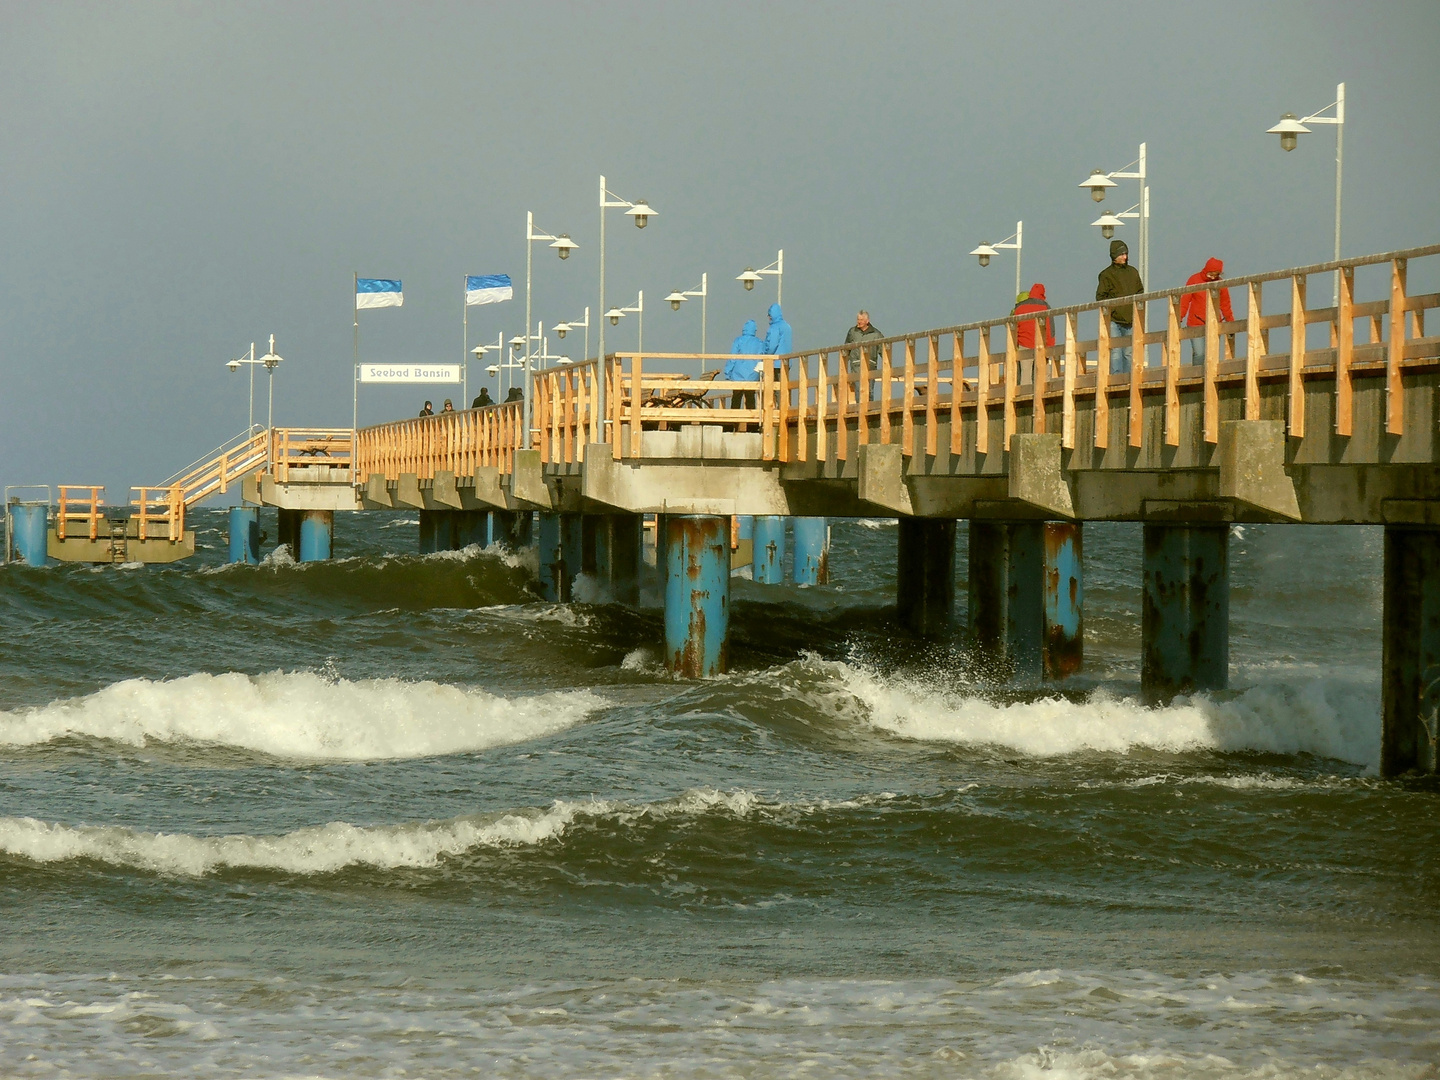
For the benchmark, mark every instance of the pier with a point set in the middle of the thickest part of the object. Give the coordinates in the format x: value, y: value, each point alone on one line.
x: 1300, y: 412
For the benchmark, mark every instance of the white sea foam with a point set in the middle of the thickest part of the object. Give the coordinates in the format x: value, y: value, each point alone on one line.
x: 1329, y: 719
x: 301, y: 715
x: 326, y: 849
x: 877, y: 523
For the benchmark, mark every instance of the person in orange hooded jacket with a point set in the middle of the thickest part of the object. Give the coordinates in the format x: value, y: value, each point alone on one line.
x: 1192, y: 307
x: 1025, y: 331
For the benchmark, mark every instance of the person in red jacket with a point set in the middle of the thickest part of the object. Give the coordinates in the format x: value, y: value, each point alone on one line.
x: 1025, y: 331
x: 1192, y: 307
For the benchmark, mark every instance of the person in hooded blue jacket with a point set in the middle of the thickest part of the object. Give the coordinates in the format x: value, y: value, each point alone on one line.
x: 779, y: 341
x: 741, y: 369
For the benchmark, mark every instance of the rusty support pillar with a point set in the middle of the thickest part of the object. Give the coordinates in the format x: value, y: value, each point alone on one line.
x: 812, y: 550
x: 1410, y: 715
x: 1185, y: 620
x: 697, y: 594
x: 1026, y: 595
x: 925, y: 575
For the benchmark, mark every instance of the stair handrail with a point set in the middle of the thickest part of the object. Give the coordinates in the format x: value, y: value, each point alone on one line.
x: 232, y: 443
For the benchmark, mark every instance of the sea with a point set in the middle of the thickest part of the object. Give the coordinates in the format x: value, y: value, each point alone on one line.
x: 393, y: 815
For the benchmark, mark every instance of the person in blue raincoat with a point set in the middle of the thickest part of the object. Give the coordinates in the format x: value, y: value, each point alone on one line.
x: 741, y: 369
x: 779, y: 341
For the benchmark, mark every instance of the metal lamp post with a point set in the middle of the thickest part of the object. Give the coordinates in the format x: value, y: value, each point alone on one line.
x: 1100, y: 182
x: 678, y: 297
x: 986, y: 251
x: 776, y: 270
x: 234, y: 365
x: 641, y: 213
x: 1289, y: 129
x: 565, y: 327
x: 563, y: 245
x: 615, y: 314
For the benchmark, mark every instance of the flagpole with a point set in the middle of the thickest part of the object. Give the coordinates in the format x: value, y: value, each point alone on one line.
x: 355, y: 374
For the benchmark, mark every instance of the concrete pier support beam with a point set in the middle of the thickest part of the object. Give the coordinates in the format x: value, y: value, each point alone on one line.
x: 697, y: 595
x: 29, y: 532
x: 245, y: 534
x: 1410, y: 714
x: 925, y: 575
x: 612, y: 556
x: 769, y: 562
x: 1026, y: 595
x: 317, y: 534
x: 552, y: 561
x: 1185, y: 620
x: 812, y: 550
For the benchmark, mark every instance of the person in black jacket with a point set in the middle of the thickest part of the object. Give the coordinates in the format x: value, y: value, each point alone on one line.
x: 483, y: 399
x: 1116, y: 280
x: 428, y: 410
x: 516, y: 394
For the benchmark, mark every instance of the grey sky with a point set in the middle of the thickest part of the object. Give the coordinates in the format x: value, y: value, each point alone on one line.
x: 179, y: 180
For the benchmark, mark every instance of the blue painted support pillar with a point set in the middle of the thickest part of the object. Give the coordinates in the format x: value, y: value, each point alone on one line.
x: 924, y: 575
x: 522, y: 528
x: 812, y: 550
x: 501, y: 527
x: 552, y: 567
x: 29, y: 532
x: 245, y: 534
x: 769, y: 560
x: 317, y: 534
x: 612, y: 556
x: 1185, y: 619
x: 1026, y: 595
x: 697, y: 595
x: 1410, y: 695
x: 572, y: 554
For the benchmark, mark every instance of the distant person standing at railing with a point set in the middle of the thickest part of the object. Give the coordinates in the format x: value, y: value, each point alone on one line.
x: 1192, y: 307
x: 447, y: 407
x: 483, y: 399
x: 1116, y: 280
x: 779, y: 341
x: 743, y: 370
x: 516, y: 394
x: 1025, y: 332
x: 863, y: 330
x: 428, y: 410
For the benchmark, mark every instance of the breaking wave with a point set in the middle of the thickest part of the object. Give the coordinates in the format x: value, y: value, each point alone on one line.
x: 301, y: 715
x: 327, y: 849
x: 1321, y: 717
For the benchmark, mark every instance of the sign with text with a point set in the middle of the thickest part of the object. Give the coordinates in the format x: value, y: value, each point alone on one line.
x: 409, y: 373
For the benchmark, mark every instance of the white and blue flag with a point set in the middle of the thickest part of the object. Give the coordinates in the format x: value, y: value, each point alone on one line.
x: 488, y: 289
x: 377, y: 292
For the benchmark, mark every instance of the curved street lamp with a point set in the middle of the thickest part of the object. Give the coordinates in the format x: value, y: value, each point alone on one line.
x: 1100, y: 182
x: 678, y: 297
x: 1290, y: 129
x: 987, y: 251
x: 639, y: 212
x: 562, y: 246
x: 776, y: 270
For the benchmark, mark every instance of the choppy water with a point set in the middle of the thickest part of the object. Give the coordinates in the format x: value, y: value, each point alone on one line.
x: 392, y: 816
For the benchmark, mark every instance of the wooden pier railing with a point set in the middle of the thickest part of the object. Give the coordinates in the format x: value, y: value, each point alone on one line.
x: 163, y: 507
x: 903, y: 390
x: 459, y: 442
x: 79, y: 505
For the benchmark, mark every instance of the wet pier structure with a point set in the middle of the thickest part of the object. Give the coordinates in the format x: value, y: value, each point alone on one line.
x: 1299, y: 411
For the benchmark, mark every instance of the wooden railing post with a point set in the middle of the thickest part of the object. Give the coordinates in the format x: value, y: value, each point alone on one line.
x: 1212, y: 369
x: 1395, y: 352
x: 767, y: 410
x: 635, y: 403
x: 1012, y: 361
x: 887, y: 376
x: 1172, y: 364
x: 983, y: 378
x: 802, y: 385
x: 1102, y: 384
x: 1345, y: 354
x: 957, y: 389
x: 932, y: 391
x: 1254, y: 350
x: 1297, y: 357
x: 907, y: 401
x: 1067, y: 404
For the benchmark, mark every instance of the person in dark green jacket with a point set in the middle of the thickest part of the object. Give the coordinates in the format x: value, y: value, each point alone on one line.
x: 1120, y: 279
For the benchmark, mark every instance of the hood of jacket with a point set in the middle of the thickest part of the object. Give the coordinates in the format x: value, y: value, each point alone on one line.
x: 1214, y: 266
x: 1118, y: 248
x: 775, y: 315
x: 748, y: 330
x: 1037, y: 291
